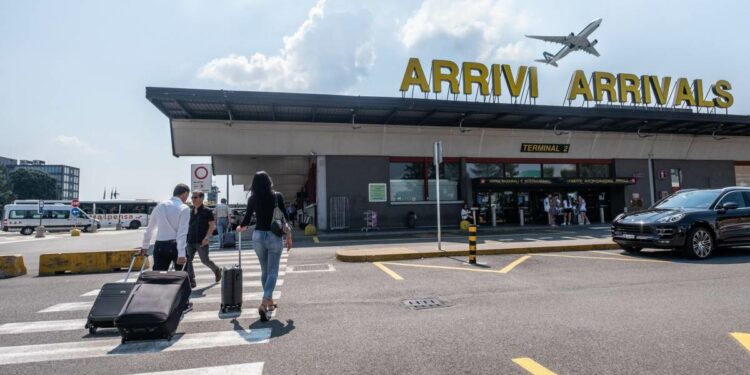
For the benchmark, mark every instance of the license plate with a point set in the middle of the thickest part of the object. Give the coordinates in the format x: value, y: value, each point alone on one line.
x: 628, y: 236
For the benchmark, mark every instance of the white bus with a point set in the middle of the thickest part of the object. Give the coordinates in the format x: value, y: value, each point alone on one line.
x: 23, y: 216
x: 132, y: 214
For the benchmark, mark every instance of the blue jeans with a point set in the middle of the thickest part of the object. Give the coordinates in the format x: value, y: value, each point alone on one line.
x: 268, y: 248
x: 222, y: 225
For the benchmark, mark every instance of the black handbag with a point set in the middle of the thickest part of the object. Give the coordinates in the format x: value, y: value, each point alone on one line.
x: 279, y: 226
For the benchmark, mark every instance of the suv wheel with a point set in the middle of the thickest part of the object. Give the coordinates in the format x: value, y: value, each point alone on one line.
x: 632, y: 249
x: 700, y: 243
x: 27, y: 231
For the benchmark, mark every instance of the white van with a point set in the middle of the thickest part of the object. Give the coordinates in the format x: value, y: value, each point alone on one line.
x: 23, y: 216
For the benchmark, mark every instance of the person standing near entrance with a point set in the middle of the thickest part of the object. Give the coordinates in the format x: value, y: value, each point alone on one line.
x: 267, y: 245
x: 554, y: 208
x: 567, y: 208
x: 546, y: 203
x: 172, y: 218
x: 221, y: 212
x: 465, y: 213
x: 583, y: 219
x: 202, y: 226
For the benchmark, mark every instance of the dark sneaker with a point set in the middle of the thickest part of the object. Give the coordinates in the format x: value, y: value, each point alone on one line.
x: 217, y: 273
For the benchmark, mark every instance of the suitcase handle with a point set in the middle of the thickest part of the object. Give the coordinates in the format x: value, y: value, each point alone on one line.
x: 239, y: 249
x: 130, y: 268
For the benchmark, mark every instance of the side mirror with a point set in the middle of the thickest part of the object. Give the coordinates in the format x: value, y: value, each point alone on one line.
x: 729, y: 206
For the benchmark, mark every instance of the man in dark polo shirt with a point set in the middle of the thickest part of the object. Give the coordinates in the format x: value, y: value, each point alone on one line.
x: 201, y: 228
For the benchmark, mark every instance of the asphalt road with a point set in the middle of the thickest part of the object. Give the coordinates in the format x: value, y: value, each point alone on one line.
x: 572, y: 313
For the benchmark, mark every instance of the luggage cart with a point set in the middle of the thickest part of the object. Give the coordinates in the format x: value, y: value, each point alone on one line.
x: 371, y: 221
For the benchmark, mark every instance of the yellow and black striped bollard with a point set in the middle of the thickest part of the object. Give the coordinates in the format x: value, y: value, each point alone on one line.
x: 472, y: 244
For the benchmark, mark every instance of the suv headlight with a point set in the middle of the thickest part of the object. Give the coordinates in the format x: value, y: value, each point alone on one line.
x: 671, y: 218
x: 618, y: 217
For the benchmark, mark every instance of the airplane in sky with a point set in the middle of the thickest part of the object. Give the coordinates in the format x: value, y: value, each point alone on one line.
x: 572, y: 42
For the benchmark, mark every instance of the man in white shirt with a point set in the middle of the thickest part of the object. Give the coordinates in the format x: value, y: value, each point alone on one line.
x: 172, y: 218
x: 221, y: 213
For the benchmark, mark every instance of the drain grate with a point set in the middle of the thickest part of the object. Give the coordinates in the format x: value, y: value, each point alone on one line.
x: 423, y: 303
x: 312, y: 268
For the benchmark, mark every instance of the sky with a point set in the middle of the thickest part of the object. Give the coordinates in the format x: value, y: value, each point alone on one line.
x: 73, y: 73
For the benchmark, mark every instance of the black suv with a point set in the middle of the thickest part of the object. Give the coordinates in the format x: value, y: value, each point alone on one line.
x: 695, y: 221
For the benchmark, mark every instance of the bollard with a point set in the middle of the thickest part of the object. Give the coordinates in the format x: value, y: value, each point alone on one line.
x: 75, y: 232
x: 472, y: 244
x: 494, y: 215
x: 520, y: 216
x: 601, y: 214
x: 40, y: 230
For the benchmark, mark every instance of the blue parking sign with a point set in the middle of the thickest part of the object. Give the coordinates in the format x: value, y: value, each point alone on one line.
x: 75, y: 212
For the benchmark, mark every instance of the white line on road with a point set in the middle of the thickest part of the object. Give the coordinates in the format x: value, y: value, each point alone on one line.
x: 78, y: 324
x: 213, y: 287
x: 84, y: 306
x: 105, y: 348
x: 241, y: 369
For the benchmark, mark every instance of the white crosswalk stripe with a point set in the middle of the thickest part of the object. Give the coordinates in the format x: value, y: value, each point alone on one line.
x: 211, y: 288
x: 106, y: 348
x: 78, y: 324
x: 240, y: 369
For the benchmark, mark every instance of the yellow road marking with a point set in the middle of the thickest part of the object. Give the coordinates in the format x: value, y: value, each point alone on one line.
x: 532, y: 367
x: 513, y: 265
x: 316, y: 239
x: 603, y: 258
x: 743, y: 339
x: 388, y: 271
x: 440, y: 267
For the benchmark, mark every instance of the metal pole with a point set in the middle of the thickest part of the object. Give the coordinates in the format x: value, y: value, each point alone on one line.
x: 472, y: 244
x: 520, y: 216
x: 651, y: 178
x: 437, y: 187
x: 227, y: 190
x: 601, y: 214
x: 494, y: 215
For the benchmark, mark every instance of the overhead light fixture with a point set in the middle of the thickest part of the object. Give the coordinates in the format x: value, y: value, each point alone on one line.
x: 559, y: 132
x: 461, y: 123
x: 355, y: 126
x: 716, y: 137
x: 642, y: 135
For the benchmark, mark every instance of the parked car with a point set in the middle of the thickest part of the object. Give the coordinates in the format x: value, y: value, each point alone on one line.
x: 694, y: 221
x: 24, y: 217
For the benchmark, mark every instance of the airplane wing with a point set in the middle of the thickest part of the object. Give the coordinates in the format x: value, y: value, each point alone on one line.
x: 592, y: 51
x: 552, y: 39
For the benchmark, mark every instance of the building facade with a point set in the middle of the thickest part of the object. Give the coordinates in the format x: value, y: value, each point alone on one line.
x: 345, y: 157
x: 66, y: 177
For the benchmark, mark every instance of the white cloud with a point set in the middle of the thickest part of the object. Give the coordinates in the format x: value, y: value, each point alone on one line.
x: 329, y: 52
x: 484, y: 29
x: 73, y: 142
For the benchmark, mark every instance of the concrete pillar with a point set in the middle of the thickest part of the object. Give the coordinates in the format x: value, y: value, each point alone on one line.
x: 321, y: 195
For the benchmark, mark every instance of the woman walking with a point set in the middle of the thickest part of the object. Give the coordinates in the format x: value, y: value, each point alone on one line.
x: 268, y: 245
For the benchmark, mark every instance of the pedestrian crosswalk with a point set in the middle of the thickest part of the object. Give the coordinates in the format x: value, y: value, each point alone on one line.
x: 206, y: 299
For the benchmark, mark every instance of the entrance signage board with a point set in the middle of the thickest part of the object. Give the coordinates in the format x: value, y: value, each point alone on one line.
x: 545, y: 147
x: 556, y: 181
x: 599, y: 87
x: 377, y: 192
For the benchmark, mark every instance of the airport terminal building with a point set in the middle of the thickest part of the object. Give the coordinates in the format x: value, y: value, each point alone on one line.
x: 342, y: 156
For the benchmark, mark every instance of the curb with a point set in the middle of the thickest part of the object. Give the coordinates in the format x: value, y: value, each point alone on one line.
x: 86, y: 262
x: 11, y: 266
x: 342, y: 255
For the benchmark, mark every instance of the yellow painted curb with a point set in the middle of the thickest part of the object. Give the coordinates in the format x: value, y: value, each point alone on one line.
x: 11, y: 266
x: 87, y: 262
x: 406, y: 254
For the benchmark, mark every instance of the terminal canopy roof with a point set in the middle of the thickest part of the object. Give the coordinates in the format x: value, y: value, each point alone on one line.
x: 177, y: 103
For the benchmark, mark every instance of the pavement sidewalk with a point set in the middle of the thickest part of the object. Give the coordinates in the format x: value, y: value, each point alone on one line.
x: 488, y: 247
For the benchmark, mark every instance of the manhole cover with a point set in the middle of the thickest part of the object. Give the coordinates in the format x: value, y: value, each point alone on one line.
x: 423, y: 303
x: 312, y: 268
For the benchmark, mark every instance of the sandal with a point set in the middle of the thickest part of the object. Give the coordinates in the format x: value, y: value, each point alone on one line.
x: 262, y: 312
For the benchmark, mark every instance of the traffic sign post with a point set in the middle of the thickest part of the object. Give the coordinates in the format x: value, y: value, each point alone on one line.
x: 201, y: 177
x: 40, y: 229
x: 438, y: 158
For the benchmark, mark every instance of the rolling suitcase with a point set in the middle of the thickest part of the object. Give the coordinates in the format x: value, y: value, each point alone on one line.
x: 108, y: 304
x: 155, y: 307
x: 230, y: 240
x: 231, y: 283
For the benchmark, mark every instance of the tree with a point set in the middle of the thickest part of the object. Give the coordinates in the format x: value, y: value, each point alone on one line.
x: 6, y: 192
x: 33, y: 184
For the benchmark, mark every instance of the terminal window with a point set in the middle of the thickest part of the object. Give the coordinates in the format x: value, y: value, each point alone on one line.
x: 742, y: 175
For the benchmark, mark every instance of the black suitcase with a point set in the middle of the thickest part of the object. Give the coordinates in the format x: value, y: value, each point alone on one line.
x: 155, y: 306
x: 229, y: 238
x: 110, y: 300
x: 231, y: 283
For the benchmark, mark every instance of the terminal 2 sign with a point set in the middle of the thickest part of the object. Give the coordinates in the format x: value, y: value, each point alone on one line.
x: 622, y: 88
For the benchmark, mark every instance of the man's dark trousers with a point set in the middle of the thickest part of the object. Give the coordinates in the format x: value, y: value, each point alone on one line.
x: 165, y: 253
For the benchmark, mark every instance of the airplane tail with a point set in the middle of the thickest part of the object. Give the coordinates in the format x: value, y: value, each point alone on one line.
x: 547, y: 59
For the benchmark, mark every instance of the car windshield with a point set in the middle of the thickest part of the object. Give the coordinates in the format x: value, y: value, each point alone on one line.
x: 690, y: 199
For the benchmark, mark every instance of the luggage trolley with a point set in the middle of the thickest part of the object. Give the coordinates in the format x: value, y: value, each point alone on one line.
x: 371, y: 221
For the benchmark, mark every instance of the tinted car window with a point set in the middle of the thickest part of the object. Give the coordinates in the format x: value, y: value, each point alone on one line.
x: 690, y: 199
x: 735, y: 197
